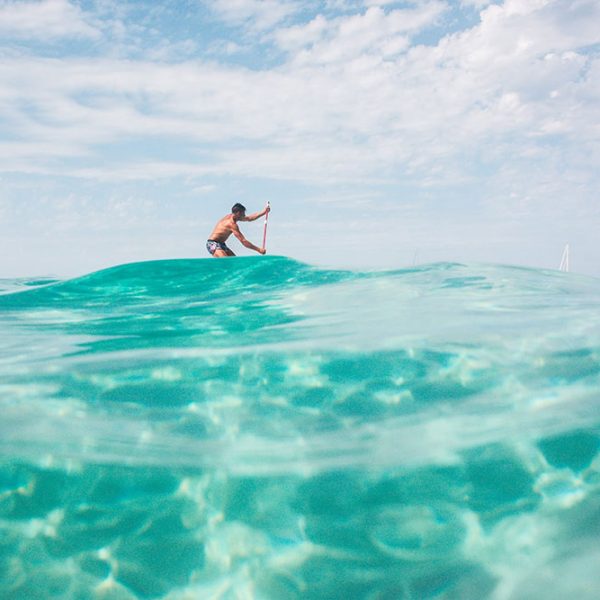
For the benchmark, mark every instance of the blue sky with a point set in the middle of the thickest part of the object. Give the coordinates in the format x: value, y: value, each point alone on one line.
x: 383, y: 133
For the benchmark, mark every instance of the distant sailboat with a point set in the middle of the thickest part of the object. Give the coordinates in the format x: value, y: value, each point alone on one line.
x: 564, y: 261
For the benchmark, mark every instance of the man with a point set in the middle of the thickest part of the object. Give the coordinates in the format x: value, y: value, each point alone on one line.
x: 226, y: 226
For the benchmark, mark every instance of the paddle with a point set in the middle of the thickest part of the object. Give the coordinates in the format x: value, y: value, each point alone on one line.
x: 264, y: 245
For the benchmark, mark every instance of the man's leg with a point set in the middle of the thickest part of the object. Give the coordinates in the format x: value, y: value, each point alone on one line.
x: 222, y: 253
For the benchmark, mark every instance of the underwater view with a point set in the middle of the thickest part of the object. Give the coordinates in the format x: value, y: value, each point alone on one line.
x: 259, y: 428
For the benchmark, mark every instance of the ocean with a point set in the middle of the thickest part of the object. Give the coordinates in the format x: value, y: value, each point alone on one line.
x: 258, y: 428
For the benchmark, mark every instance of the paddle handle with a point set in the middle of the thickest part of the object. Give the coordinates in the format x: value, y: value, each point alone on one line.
x: 264, y: 244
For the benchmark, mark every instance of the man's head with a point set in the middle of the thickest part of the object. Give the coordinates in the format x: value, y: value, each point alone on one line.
x: 238, y: 210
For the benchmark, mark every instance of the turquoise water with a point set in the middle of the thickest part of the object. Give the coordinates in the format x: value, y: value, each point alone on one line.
x: 259, y: 428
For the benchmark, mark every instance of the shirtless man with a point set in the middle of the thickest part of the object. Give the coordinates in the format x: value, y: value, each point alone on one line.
x: 226, y: 226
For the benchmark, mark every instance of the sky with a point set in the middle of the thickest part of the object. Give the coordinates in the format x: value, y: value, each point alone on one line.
x: 384, y: 134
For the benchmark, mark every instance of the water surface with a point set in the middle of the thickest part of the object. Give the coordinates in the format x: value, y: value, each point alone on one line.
x: 259, y: 428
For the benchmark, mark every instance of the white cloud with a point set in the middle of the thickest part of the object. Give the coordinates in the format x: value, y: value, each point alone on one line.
x: 478, y: 4
x: 48, y: 19
x: 342, y: 38
x: 258, y: 14
x: 204, y: 189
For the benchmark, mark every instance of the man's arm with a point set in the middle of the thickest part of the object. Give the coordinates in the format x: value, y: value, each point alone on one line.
x: 238, y: 234
x: 257, y: 215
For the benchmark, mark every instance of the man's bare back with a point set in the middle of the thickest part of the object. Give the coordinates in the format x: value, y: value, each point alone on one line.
x: 223, y: 229
x: 226, y: 226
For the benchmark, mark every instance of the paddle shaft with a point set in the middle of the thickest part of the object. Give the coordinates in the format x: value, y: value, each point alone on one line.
x: 264, y: 245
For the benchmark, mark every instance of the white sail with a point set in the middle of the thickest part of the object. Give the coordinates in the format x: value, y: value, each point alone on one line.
x: 564, y: 261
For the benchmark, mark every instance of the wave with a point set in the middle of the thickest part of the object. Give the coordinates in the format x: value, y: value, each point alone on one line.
x: 292, y: 352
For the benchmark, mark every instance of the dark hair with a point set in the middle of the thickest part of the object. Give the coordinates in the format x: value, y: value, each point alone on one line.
x: 238, y: 208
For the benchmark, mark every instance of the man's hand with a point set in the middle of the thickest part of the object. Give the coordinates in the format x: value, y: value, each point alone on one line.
x: 267, y: 209
x: 262, y: 250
